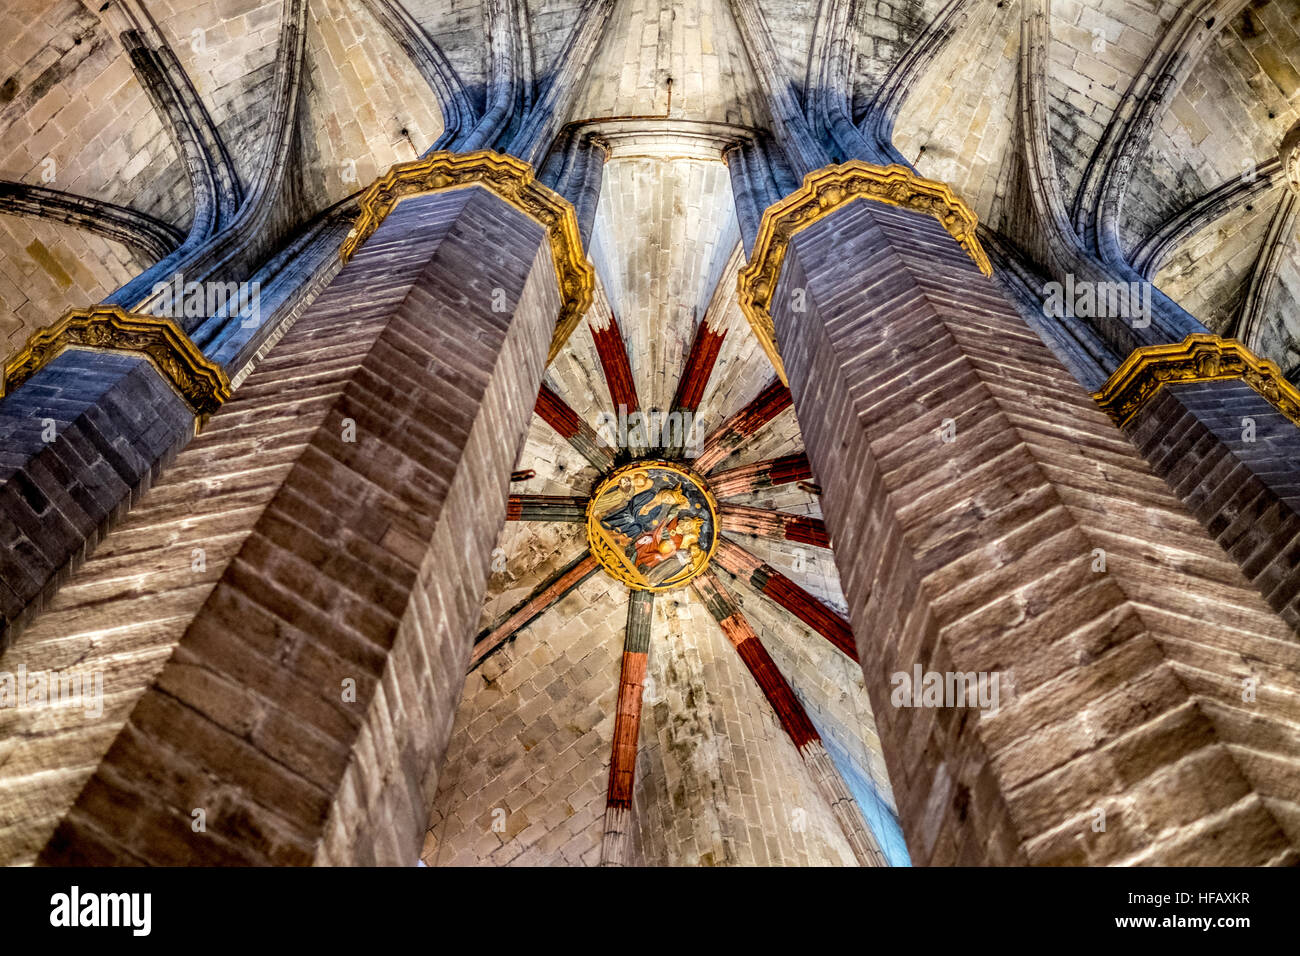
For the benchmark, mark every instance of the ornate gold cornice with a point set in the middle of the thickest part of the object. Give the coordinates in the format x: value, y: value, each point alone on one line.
x: 1198, y: 358
x: 512, y: 181
x: 823, y: 192
x: 110, y: 329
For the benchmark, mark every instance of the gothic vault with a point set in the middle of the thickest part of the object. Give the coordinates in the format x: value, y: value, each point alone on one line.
x: 650, y: 432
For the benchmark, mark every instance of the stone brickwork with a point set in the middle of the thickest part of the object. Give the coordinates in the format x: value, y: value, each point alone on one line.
x: 532, y: 740
x: 1207, y: 275
x: 336, y: 568
x: 576, y: 375
x: 957, y: 125
x: 228, y: 51
x: 828, y: 683
x: 47, y: 268
x: 461, y: 30
x: 664, y: 233
x: 528, y: 553
x: 533, y: 737
x: 560, y: 469
x: 791, y: 714
x: 884, y: 32
x: 742, y: 370
x: 551, y: 25
x: 980, y: 554
x: 1229, y: 115
x: 1230, y: 456
x: 810, y: 567
x: 779, y: 438
x: 80, y: 442
x: 70, y: 96
x: 718, y: 781
x: 73, y: 99
x: 695, y: 42
x: 365, y: 103
x: 1098, y: 47
x: 792, y: 41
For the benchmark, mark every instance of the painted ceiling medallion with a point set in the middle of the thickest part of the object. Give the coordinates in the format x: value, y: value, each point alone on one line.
x: 652, y: 524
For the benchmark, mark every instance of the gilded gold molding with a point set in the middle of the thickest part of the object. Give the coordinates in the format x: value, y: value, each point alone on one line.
x: 111, y: 329
x: 510, y: 179
x: 1198, y: 358
x: 823, y: 192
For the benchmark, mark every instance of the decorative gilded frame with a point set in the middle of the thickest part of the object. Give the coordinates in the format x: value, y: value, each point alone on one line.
x: 108, y: 328
x: 611, y: 560
x: 512, y: 181
x: 1200, y: 357
x: 824, y: 191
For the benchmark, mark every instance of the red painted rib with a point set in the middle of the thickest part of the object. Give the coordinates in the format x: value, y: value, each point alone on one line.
x: 545, y: 508
x: 534, y: 605
x: 789, y: 711
x: 774, y: 524
x: 760, y: 475
x: 613, y: 359
x: 556, y: 413
x: 772, y: 401
x: 699, y: 366
x: 783, y: 592
x: 627, y: 724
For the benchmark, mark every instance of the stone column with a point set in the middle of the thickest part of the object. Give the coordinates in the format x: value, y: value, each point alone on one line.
x: 345, y: 502
x: 990, y: 521
x: 1198, y: 413
x: 93, y: 408
x: 1222, y: 427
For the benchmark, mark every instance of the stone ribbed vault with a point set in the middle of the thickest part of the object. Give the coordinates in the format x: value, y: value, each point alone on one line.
x: 512, y: 703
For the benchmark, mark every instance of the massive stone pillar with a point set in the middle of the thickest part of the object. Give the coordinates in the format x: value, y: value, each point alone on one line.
x: 990, y: 520
x: 97, y: 404
x: 313, y: 565
x: 93, y: 408
x: 1216, y: 421
x: 1220, y: 426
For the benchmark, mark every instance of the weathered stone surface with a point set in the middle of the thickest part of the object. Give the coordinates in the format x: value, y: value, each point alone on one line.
x: 1234, y: 460
x: 359, y: 560
x: 79, y: 443
x: 978, y: 554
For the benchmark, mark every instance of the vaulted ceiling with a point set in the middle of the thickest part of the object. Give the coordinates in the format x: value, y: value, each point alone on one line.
x: 1203, y: 208
x: 77, y: 116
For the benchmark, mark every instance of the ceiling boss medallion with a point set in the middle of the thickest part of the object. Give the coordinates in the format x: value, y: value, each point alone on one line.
x: 652, y: 524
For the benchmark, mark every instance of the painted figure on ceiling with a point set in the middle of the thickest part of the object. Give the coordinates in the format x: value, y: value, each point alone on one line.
x: 645, y: 510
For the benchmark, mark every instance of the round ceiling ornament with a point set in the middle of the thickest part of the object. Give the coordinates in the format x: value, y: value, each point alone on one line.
x: 652, y: 524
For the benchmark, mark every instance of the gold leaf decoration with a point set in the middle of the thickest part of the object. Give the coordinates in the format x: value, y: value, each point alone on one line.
x: 823, y: 192
x: 684, y: 496
x: 108, y: 328
x: 512, y: 181
x: 1200, y: 357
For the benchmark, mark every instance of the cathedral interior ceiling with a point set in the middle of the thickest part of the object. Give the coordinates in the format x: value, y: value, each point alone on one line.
x: 78, y: 114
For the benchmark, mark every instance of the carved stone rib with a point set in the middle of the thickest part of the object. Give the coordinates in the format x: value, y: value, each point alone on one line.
x: 1156, y: 248
x: 149, y: 236
x: 544, y: 596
